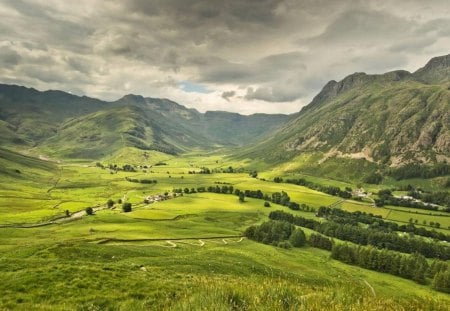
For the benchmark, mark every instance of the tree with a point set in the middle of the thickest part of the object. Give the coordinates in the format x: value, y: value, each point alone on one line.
x: 241, y: 197
x: 89, y: 211
x: 67, y: 213
x: 441, y: 281
x: 110, y: 203
x: 297, y: 238
x: 126, y: 207
x: 266, y: 204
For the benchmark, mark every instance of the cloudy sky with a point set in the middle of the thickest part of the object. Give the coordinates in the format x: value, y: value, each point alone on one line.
x: 236, y: 55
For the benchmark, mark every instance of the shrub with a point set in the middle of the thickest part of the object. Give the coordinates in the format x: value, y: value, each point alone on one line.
x: 126, y: 207
x: 89, y: 211
x: 297, y: 238
x: 110, y: 203
x: 266, y: 204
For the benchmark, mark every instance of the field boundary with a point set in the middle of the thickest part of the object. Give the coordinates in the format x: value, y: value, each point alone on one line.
x: 108, y: 240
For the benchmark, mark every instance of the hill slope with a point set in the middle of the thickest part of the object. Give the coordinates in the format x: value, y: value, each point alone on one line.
x: 65, y: 125
x: 393, y: 118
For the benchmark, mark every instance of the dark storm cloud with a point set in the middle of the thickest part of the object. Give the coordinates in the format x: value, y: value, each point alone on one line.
x: 273, y: 55
x: 9, y: 58
x: 228, y: 94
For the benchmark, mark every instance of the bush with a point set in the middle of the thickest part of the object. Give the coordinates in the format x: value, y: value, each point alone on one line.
x: 266, y: 204
x: 126, y: 207
x: 110, y: 203
x: 89, y: 211
x: 297, y: 238
x: 284, y: 244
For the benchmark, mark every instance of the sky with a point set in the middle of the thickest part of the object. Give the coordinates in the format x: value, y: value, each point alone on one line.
x: 246, y: 56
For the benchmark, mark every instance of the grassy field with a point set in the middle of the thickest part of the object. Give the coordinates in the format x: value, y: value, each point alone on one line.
x: 185, y: 253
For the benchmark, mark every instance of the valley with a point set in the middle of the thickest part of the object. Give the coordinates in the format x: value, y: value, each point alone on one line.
x: 144, y: 204
x: 190, y: 248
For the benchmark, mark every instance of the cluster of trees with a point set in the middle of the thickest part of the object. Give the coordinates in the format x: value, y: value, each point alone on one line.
x: 214, y: 189
x: 296, y: 220
x: 331, y: 190
x: 368, y: 236
x: 374, y: 178
x: 414, y: 267
x: 253, y: 174
x: 438, y: 197
x: 160, y: 164
x: 115, y: 167
x: 128, y: 168
x: 277, y: 233
x: 386, y: 198
x: 230, y: 169
x: 377, y: 223
x: 320, y: 241
x: 388, y: 240
x: 142, y: 181
x: 440, y: 273
x: 203, y: 170
x: 415, y: 170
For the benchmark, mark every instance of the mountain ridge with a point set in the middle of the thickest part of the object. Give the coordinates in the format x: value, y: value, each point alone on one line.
x: 54, y: 119
x: 391, y: 118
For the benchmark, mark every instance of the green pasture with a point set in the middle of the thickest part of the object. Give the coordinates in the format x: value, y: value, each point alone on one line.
x: 184, y: 253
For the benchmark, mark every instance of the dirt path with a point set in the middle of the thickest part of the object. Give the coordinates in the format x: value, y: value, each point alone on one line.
x: 224, y: 241
x: 371, y: 288
x: 109, y: 240
x: 74, y: 216
x: 56, y: 182
x: 172, y: 245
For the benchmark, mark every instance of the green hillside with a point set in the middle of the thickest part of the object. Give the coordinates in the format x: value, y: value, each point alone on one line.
x: 393, y: 119
x: 65, y: 125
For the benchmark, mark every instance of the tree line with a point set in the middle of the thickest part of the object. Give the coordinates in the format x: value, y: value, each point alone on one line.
x: 331, y: 190
x: 385, y: 197
x: 142, y: 181
x: 368, y: 236
x: 376, y: 222
x: 284, y: 234
x: 277, y: 233
x: 281, y: 198
x: 413, y: 267
x: 415, y: 170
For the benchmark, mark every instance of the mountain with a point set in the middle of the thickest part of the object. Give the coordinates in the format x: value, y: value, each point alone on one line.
x: 66, y: 125
x: 393, y: 118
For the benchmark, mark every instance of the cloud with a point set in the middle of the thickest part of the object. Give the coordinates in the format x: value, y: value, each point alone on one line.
x: 9, y: 58
x: 275, y: 55
x: 228, y: 94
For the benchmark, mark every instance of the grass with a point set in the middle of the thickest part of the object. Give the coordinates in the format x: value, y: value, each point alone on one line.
x: 122, y: 261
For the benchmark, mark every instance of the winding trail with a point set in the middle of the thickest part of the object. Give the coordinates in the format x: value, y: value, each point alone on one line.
x: 109, y: 240
x: 172, y: 245
x: 55, y: 221
x: 371, y: 288
x: 56, y: 182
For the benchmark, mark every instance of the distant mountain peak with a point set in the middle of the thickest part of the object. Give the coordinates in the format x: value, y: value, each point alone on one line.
x: 437, y: 70
x: 132, y: 98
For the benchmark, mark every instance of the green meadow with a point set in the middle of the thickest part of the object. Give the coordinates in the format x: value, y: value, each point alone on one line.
x: 184, y: 253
